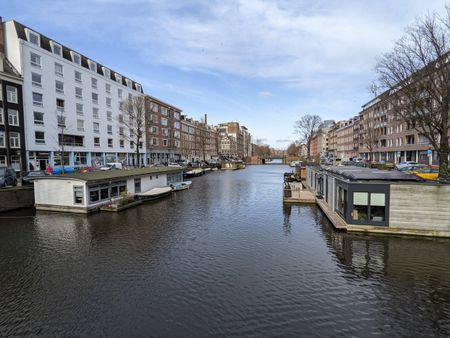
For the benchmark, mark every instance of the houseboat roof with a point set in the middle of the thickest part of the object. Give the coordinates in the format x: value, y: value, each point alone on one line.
x: 368, y: 174
x: 113, y: 174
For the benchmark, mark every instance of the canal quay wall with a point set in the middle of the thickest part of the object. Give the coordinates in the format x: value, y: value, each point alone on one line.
x: 16, y: 198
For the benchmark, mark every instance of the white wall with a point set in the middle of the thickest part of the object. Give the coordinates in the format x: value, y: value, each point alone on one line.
x: 57, y: 192
x: 147, y: 183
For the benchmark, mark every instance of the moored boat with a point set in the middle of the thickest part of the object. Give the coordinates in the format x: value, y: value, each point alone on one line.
x: 181, y: 185
x: 194, y: 172
x: 154, y: 193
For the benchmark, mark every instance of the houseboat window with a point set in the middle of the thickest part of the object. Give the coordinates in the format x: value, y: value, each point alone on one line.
x: 377, y: 207
x: 104, y: 193
x: 360, y: 206
x: 93, y: 195
x: 137, y: 185
x: 341, y: 200
x: 78, y: 195
x: 122, y: 188
x: 114, y: 191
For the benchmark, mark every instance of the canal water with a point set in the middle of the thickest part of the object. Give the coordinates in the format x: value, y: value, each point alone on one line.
x: 224, y: 258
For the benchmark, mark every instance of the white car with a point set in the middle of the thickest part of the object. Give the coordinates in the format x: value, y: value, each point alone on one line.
x: 112, y: 165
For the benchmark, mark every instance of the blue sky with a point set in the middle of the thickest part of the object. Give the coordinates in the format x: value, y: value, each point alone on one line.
x: 262, y: 63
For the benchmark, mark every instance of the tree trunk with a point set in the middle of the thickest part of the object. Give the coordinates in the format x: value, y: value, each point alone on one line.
x: 444, y: 151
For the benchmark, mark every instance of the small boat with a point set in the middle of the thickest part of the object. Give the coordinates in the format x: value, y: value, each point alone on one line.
x: 181, y: 185
x: 194, y: 172
x: 154, y: 193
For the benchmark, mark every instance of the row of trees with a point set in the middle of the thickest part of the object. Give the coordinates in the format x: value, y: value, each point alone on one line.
x: 415, y: 77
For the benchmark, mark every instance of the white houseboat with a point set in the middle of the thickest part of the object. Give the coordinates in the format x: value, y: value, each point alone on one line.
x: 86, y: 192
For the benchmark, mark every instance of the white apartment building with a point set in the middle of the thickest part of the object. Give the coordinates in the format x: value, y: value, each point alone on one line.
x: 69, y: 100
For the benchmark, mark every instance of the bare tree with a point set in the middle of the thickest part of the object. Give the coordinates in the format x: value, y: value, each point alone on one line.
x: 368, y: 134
x: 417, y: 75
x: 306, y: 127
x: 133, y: 119
x: 293, y: 149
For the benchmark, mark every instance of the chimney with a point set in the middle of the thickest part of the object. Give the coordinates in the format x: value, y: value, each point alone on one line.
x: 2, y: 38
x: 206, y: 119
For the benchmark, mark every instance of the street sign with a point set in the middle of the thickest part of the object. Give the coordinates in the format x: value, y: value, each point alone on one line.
x: 430, y: 152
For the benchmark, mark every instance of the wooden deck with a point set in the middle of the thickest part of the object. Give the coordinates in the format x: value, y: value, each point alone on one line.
x: 334, y: 218
x: 298, y: 194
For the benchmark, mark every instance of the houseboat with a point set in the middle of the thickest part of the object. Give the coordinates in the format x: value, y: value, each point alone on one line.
x: 87, y: 192
x: 372, y: 200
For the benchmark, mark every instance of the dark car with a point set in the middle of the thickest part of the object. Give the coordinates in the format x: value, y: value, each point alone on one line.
x: 30, y: 176
x: 7, y: 177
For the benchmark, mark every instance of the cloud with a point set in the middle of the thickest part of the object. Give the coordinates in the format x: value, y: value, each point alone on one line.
x: 265, y: 94
x: 284, y: 141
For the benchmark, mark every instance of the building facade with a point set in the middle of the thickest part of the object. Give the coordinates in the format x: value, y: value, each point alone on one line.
x: 234, y: 140
x: 70, y: 102
x: 199, y: 141
x: 12, y: 132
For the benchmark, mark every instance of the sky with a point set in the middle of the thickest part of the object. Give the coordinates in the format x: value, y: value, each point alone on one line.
x: 261, y: 63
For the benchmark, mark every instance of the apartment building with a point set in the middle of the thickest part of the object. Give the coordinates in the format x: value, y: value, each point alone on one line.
x: 234, y: 140
x: 199, y: 141
x: 163, y: 131
x: 12, y: 132
x: 70, y: 101
x: 345, y: 140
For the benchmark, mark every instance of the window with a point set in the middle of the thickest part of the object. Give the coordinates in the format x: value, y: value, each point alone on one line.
x: 108, y: 88
x: 130, y: 96
x: 78, y: 76
x: 59, y: 87
x: 79, y: 109
x: 13, y: 117
x: 11, y: 94
x: 80, y: 125
x: 36, y: 79
x: 164, y: 142
x: 119, y: 93
x: 1, y: 115
x: 96, y: 127
x: 37, y: 99
x: 369, y: 210
x: 165, y: 132
x: 109, y: 128
x: 138, y: 87
x: 79, y: 92
x: 164, y: 121
x: 59, y: 70
x: 92, y: 66
x: 78, y: 195
x: 109, y: 115
x: 61, y: 119
x: 154, y: 141
x: 377, y: 207
x: 107, y: 73
x: 176, y: 134
x: 120, y: 118
x: 137, y: 185
x: 33, y: 38
x: 38, y: 118
x: 341, y: 200
x: 176, y: 115
x: 56, y: 48
x: 176, y: 125
x: 118, y: 78
x: 108, y: 102
x: 94, y: 195
x: 360, y: 206
x: 60, y: 104
x: 2, y: 139
x: 121, y: 132
x: 14, y: 140
x: 129, y: 83
x: 154, y: 130
x: 121, y: 143
x: 110, y: 142
x: 39, y: 137
x: 104, y: 193
x: 96, y: 141
x: 95, y: 98
x: 2, y: 158
x: 94, y: 83
x: 76, y: 58
x: 95, y: 113
x: 164, y: 111
x: 35, y: 60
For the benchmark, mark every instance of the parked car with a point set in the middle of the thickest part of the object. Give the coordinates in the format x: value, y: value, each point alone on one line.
x: 406, y: 164
x: 7, y: 177
x: 61, y: 170
x: 412, y: 168
x: 111, y: 166
x: 30, y: 176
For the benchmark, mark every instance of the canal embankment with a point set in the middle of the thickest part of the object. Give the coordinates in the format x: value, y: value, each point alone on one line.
x: 16, y: 198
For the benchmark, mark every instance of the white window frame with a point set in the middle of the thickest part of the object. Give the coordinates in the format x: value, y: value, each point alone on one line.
x: 53, y: 44
x: 37, y: 63
x: 97, y: 144
x: 36, y: 35
x: 80, y: 80
x: 13, y: 119
x: 79, y: 111
x: 94, y: 83
x: 75, y: 56
x: 138, y: 88
x: 108, y: 102
x: 38, y: 122
x: 118, y: 78
x: 110, y: 144
x: 59, y: 90
x: 107, y: 73
x: 95, y: 112
x: 94, y: 100
x: 80, y: 125
x: 57, y: 72
x: 109, y: 115
x: 129, y: 83
x: 109, y: 129
x: 16, y: 137
x: 11, y: 95
x: 78, y: 92
x: 92, y: 66
x: 40, y: 140
x: 37, y: 103
x: 94, y: 125
x: 35, y: 83
x: 108, y: 88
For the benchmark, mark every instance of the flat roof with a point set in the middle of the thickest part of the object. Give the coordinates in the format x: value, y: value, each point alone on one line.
x: 368, y: 174
x: 102, y: 175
